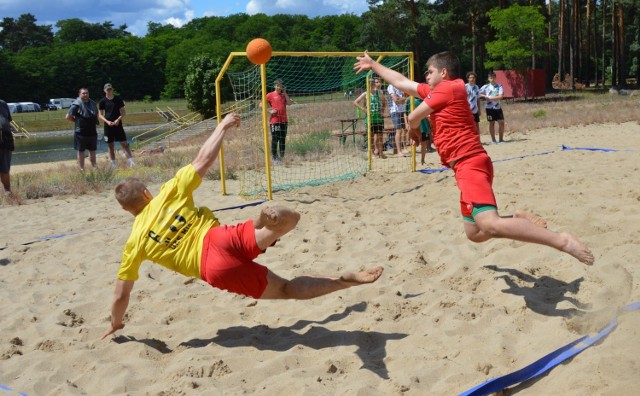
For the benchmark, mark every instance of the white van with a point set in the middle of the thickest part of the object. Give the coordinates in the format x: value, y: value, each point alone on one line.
x: 62, y: 103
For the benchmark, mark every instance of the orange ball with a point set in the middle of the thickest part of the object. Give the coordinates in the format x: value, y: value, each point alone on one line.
x: 259, y: 51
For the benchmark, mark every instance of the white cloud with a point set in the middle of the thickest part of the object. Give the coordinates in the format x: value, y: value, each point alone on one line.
x: 137, y: 13
x: 309, y: 7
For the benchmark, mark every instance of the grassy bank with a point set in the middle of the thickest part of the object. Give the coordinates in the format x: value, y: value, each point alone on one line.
x: 138, y: 113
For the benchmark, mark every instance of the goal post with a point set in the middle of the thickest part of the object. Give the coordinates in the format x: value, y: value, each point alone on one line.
x: 326, y: 139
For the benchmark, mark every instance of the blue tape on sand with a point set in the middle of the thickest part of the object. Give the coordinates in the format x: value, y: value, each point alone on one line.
x: 429, y: 171
x: 546, y: 363
x: 6, y: 388
x: 240, y: 206
x: 523, y: 156
x: 606, y: 150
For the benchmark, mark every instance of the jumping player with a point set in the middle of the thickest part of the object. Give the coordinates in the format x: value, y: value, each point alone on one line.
x: 171, y: 231
x: 459, y: 147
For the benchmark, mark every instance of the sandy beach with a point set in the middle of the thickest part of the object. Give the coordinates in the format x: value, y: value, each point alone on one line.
x: 446, y: 315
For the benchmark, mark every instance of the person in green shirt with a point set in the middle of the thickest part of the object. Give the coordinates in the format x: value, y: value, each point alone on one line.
x: 377, y: 104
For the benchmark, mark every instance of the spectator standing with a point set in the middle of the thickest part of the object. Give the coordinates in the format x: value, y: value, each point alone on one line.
x: 278, y: 99
x: 84, y: 114
x: 377, y: 105
x: 397, y: 111
x: 493, y: 93
x: 6, y: 146
x: 473, y: 93
x: 112, y: 110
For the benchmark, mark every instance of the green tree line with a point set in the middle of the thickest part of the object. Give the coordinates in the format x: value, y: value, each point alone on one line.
x: 593, y: 41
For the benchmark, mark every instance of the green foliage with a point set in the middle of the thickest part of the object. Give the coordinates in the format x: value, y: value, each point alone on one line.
x: 18, y: 35
x: 520, y: 33
x: 99, y: 176
x: 315, y: 142
x: 541, y: 113
x: 200, y: 85
x: 41, y: 65
x: 75, y: 30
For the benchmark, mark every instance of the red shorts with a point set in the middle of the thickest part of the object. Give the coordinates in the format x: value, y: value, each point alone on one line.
x: 474, y: 176
x: 227, y: 260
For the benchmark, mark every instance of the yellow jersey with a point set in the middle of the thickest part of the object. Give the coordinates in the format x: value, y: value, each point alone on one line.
x: 170, y: 230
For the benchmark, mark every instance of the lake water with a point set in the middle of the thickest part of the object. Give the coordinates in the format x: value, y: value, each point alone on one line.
x: 51, y: 147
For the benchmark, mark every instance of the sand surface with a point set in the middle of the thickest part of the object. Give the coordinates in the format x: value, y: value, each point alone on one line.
x: 446, y: 315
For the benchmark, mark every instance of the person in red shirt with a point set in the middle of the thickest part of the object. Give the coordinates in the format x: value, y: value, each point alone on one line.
x: 278, y: 122
x: 458, y: 144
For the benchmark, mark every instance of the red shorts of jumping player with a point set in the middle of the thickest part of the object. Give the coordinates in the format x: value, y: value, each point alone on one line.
x: 474, y: 176
x: 227, y: 260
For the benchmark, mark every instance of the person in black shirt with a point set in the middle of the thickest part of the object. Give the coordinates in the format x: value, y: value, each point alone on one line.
x: 6, y: 146
x: 111, y: 113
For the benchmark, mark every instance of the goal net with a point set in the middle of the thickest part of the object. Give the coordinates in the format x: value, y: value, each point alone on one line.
x: 327, y: 137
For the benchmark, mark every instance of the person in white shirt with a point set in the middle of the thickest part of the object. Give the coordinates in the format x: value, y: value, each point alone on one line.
x: 493, y: 93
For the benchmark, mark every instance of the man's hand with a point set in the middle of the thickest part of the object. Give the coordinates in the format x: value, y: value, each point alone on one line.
x: 112, y: 329
x: 415, y: 135
x: 364, y: 63
x: 231, y: 119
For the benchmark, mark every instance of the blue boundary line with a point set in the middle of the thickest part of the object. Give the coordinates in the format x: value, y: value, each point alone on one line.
x: 606, y: 150
x: 563, y: 148
x: 547, y: 362
x: 429, y: 171
x: 6, y: 388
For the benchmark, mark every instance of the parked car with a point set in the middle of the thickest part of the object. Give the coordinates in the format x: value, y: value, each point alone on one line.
x: 48, y: 107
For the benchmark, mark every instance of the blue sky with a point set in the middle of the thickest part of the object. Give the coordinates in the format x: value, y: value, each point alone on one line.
x: 136, y: 13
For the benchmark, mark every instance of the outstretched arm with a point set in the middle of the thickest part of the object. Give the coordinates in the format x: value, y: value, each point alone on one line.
x: 209, y: 151
x: 420, y: 112
x: 119, y: 306
x: 391, y: 76
x: 358, y: 102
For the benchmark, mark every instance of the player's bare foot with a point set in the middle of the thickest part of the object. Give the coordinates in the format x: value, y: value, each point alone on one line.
x: 276, y: 217
x: 577, y: 249
x: 534, y: 219
x: 363, y: 277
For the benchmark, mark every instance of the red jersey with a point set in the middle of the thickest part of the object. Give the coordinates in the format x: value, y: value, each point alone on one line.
x: 279, y: 102
x: 452, y: 125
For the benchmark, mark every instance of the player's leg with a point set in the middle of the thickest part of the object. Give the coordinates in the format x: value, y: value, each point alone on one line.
x: 6, y: 181
x: 80, y: 158
x: 275, y: 129
x: 489, y: 225
x: 307, y: 287
x: 125, y: 147
x: 492, y: 131
x: 112, y: 151
x: 122, y: 138
x: 501, y: 130
x: 272, y: 223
